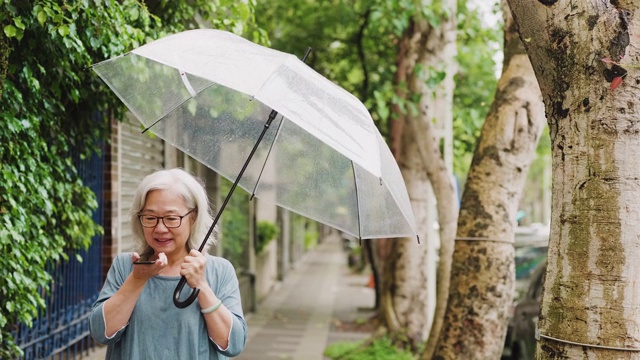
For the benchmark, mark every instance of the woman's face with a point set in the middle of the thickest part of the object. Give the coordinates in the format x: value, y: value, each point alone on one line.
x: 171, y: 241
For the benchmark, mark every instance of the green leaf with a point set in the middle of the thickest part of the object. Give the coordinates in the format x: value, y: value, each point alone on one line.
x: 19, y: 24
x: 10, y: 31
x: 63, y: 30
x: 134, y: 14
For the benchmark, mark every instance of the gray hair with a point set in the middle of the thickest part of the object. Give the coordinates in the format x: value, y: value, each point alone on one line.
x: 192, y: 191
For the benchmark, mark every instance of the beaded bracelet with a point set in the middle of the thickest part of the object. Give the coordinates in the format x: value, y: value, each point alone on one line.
x: 213, y: 308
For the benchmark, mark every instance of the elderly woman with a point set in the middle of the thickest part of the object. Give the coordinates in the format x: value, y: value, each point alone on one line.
x: 135, y: 315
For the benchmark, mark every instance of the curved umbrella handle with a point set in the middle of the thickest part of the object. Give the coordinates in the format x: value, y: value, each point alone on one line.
x: 176, y: 295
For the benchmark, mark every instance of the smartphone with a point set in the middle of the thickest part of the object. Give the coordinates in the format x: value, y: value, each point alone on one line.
x: 143, y: 261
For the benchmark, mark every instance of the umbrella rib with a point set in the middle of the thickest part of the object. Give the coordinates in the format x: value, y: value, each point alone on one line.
x: 355, y: 183
x: 187, y: 83
x: 275, y: 138
x: 172, y: 110
x: 264, y: 163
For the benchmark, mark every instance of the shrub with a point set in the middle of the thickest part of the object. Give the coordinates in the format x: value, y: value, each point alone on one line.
x: 379, y: 349
x: 266, y: 231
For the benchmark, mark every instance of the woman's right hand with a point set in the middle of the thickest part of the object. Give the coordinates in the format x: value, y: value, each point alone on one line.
x: 118, y: 308
x: 147, y: 271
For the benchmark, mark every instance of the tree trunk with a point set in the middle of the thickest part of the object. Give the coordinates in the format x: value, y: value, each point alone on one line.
x: 405, y: 306
x: 586, y: 55
x: 441, y: 48
x: 483, y: 274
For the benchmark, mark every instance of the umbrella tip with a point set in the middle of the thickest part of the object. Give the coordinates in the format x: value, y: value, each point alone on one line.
x: 304, y: 58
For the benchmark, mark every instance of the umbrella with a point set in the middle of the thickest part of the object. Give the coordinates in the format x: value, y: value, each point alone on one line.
x: 266, y: 119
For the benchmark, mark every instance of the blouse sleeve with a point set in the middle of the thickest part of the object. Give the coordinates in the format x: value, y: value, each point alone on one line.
x: 228, y: 291
x: 115, y: 278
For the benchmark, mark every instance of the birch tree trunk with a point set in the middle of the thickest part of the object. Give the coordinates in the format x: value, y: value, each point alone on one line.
x: 586, y: 56
x: 405, y: 305
x: 483, y: 273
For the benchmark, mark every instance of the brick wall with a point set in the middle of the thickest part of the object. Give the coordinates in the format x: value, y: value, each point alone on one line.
x: 111, y: 180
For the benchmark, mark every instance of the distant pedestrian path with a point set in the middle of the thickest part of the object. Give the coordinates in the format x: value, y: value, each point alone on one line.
x: 302, y: 316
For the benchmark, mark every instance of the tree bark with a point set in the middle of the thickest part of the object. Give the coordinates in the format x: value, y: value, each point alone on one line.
x: 586, y: 58
x: 483, y: 274
x: 406, y: 307
x: 440, y: 48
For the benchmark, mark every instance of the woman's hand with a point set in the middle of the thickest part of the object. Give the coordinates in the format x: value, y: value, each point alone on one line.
x: 147, y: 271
x: 193, y: 269
x: 118, y: 308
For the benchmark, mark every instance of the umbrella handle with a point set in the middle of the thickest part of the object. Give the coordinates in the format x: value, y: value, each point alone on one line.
x: 176, y: 295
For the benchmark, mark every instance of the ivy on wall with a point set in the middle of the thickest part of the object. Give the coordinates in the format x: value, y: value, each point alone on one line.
x: 53, y: 109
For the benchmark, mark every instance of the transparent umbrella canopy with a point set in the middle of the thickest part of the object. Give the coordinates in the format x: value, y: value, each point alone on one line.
x: 210, y: 93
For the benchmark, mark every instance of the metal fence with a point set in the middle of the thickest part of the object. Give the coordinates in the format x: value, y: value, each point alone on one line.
x: 62, y: 329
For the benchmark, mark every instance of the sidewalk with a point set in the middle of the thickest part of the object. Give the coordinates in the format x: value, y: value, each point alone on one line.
x: 300, y: 318
x: 316, y: 305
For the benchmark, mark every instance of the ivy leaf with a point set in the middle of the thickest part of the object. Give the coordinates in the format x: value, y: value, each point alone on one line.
x: 42, y: 17
x: 19, y: 23
x: 134, y: 14
x: 63, y: 30
x: 616, y: 82
x: 10, y: 31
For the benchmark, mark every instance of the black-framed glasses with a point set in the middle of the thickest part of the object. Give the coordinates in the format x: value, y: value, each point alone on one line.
x: 169, y: 221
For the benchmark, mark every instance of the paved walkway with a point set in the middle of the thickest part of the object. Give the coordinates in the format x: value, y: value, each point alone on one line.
x: 304, y: 313
x: 299, y: 319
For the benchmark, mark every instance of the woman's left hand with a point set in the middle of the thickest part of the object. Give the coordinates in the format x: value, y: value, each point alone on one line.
x: 193, y: 269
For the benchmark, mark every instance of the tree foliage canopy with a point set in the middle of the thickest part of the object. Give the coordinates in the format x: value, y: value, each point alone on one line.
x: 355, y: 45
x: 54, y: 111
x: 359, y: 44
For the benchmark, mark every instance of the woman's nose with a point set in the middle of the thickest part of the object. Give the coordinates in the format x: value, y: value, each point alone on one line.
x: 160, y: 226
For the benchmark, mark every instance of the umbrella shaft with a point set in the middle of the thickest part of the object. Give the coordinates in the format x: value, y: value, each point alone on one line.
x: 272, y: 116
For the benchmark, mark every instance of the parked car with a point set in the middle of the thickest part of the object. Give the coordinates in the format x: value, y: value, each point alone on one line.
x: 520, y: 343
x: 531, y: 245
x: 529, y: 256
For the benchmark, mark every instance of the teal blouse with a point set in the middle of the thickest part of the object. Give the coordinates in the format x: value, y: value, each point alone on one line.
x: 157, y: 329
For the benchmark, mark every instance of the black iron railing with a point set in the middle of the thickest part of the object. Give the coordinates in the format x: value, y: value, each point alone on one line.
x: 62, y: 329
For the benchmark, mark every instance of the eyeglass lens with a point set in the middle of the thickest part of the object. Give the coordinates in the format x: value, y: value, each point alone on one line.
x: 168, y: 221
